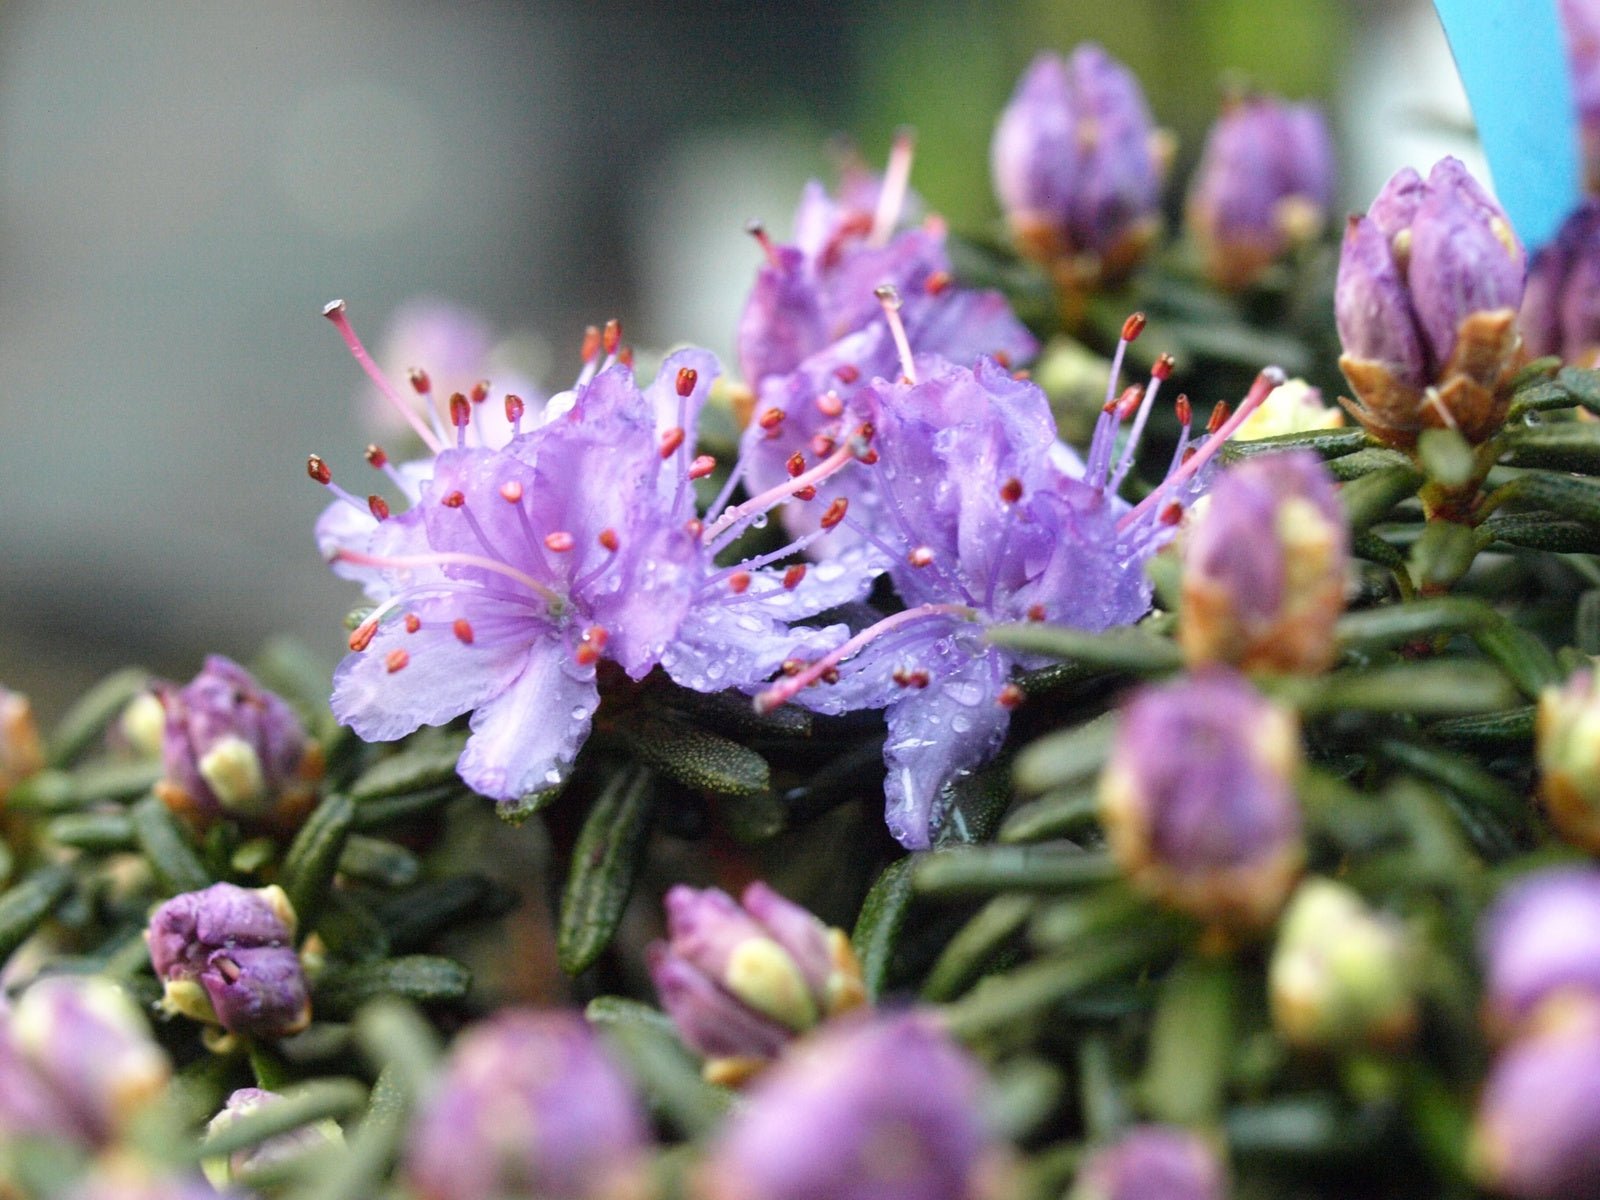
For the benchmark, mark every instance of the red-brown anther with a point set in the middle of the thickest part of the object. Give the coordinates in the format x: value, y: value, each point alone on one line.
x: 1184, y: 409
x: 559, y: 542
x: 318, y: 470
x: 412, y: 622
x: 866, y: 431
x: 1219, y: 415
x: 1188, y: 453
x: 687, y: 378
x: 694, y: 527
x: 462, y: 628
x: 379, y: 507
x: 1022, y: 376
x: 460, y: 410
x: 917, y: 678
x: 1011, y: 490
x: 792, y: 666
x: 376, y: 457
x: 920, y: 556
x: 1004, y: 359
x: 829, y: 675
x: 1035, y: 612
x: 899, y: 676
x: 796, y: 466
x: 608, y: 538
x: 597, y: 636
x: 771, y: 419
x: 702, y: 466
x: 671, y: 440
x: 868, y: 456
x: 480, y: 391
x: 612, y: 337
x: 808, y: 492
x: 514, y: 408
x: 847, y: 373
x: 1163, y: 368
x: 835, y: 512
x: 829, y: 404
x: 453, y: 500
x: 1133, y: 327
x: 511, y: 491
x: 793, y: 576
x: 587, y: 654
x: 937, y: 282
x: 396, y: 660
x: 362, y: 636
x: 822, y: 445
x: 625, y: 357
x: 1010, y: 696
x: 591, y: 344
x: 420, y: 383
x: 1172, y: 513
x: 1128, y: 403
x: 739, y: 582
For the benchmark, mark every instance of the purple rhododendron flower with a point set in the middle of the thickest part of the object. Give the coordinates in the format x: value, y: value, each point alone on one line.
x: 1537, y: 1133
x: 986, y: 519
x: 1153, y: 1162
x: 1540, y: 945
x: 1561, y: 306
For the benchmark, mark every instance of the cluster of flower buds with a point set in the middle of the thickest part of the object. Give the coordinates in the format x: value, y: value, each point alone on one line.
x: 1567, y: 748
x: 1198, y: 799
x: 870, y: 1108
x: 529, y: 1105
x: 283, y: 1148
x: 77, y: 1063
x: 226, y: 956
x: 1263, y: 187
x: 743, y: 980
x: 231, y: 749
x: 1430, y: 283
x: 21, y: 752
x: 1560, y: 312
x: 1153, y: 1162
x: 1264, y: 568
x: 1341, y: 974
x: 1078, y: 168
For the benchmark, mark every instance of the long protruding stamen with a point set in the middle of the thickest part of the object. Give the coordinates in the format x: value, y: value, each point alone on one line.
x: 1185, y: 424
x: 1161, y: 372
x: 1269, y: 378
x: 757, y: 230
x: 790, y: 686
x: 335, y: 312
x: 726, y: 494
x: 773, y: 496
x: 892, y: 195
x: 889, y: 297
x: 443, y: 558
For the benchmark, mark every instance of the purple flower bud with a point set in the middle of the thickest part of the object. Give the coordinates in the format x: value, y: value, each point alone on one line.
x: 1075, y: 163
x: 233, y: 749
x: 1537, y: 1135
x: 226, y: 955
x: 1263, y: 186
x: 1561, y: 307
x: 1373, y: 308
x: 21, y: 753
x: 76, y: 1061
x: 529, y: 1105
x: 739, y: 982
x: 1264, y: 568
x: 1541, y: 948
x: 1580, y: 21
x: 1198, y: 799
x: 872, y: 1108
x: 1153, y: 1162
x: 1567, y: 746
x: 286, y: 1146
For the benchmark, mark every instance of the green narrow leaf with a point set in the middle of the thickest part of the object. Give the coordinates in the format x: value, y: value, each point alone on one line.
x: 971, y: 951
x: 1576, y: 499
x: 86, y: 720
x: 877, y: 930
x: 298, y: 1104
x: 1443, y: 554
x: 1066, y: 757
x: 1191, y: 1043
x: 25, y: 905
x: 1440, y: 688
x: 1460, y: 775
x: 1521, y: 655
x: 426, y: 762
x: 375, y: 814
x: 1058, y: 814
x: 358, y: 1173
x: 1447, y: 457
x: 167, y: 846
x: 1330, y: 443
x: 1583, y: 383
x: 1135, y: 649
x: 395, y: 1036
x: 1365, y: 462
x: 94, y: 832
x: 1491, y: 729
x: 413, y: 916
x: 1540, y: 531
x: 605, y: 863
x: 1586, y: 623
x: 378, y: 861
x: 698, y: 758
x: 977, y: 870
x: 313, y: 856
x: 646, y: 1040
x: 1369, y: 499
x: 422, y: 978
x: 1397, y: 624
x: 1557, y: 445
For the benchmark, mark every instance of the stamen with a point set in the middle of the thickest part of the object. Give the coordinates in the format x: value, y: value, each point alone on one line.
x: 511, y: 491
x: 442, y: 558
x: 591, y: 344
x: 853, y: 448
x: 1171, y: 514
x: 379, y: 507
x: 514, y: 410
x: 608, y: 538
x: 460, y: 417
x: 702, y: 466
x: 739, y: 582
x: 1036, y: 612
x: 937, y: 283
x: 920, y: 556
x: 806, y: 493
x: 318, y: 470
x: 462, y: 628
x: 671, y: 440
x: 590, y: 646
x: 376, y: 457
x: 612, y: 337
x: 1133, y: 327
x: 453, y: 499
x: 361, y: 636
x: 420, y: 383
x: 771, y: 419
x: 793, y: 576
x: 335, y: 312
x: 479, y: 392
x: 413, y: 622
x: 1219, y: 414
x: 892, y: 195
x: 829, y: 404
x: 1011, y: 490
x: 1159, y: 374
x: 889, y: 298
x: 796, y: 464
x: 559, y: 541
x: 1010, y: 696
x: 1184, y: 410
x: 822, y: 445
x: 396, y: 660
x: 759, y: 231
x: 835, y: 512
x: 847, y: 373
x: 687, y: 378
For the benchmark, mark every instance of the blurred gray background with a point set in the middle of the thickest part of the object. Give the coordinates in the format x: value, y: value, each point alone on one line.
x: 182, y: 185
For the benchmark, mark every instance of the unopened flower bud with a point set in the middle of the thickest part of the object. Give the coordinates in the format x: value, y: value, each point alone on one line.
x: 1567, y: 746
x: 280, y: 1149
x: 1077, y: 166
x: 1198, y: 799
x: 1537, y: 1135
x: 143, y: 724
x: 233, y: 749
x: 1341, y: 974
x: 1560, y: 311
x: 529, y: 1104
x: 1541, y: 950
x: 1263, y: 186
x: 1293, y: 407
x: 1430, y: 281
x: 1581, y: 23
x: 226, y: 956
x: 740, y: 982
x: 21, y: 752
x: 1153, y: 1162
x: 76, y: 1061
x: 871, y: 1108
x: 1264, y: 568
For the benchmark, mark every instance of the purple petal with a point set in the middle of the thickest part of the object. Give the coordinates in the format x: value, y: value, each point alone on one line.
x: 524, y: 739
x: 710, y: 1021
